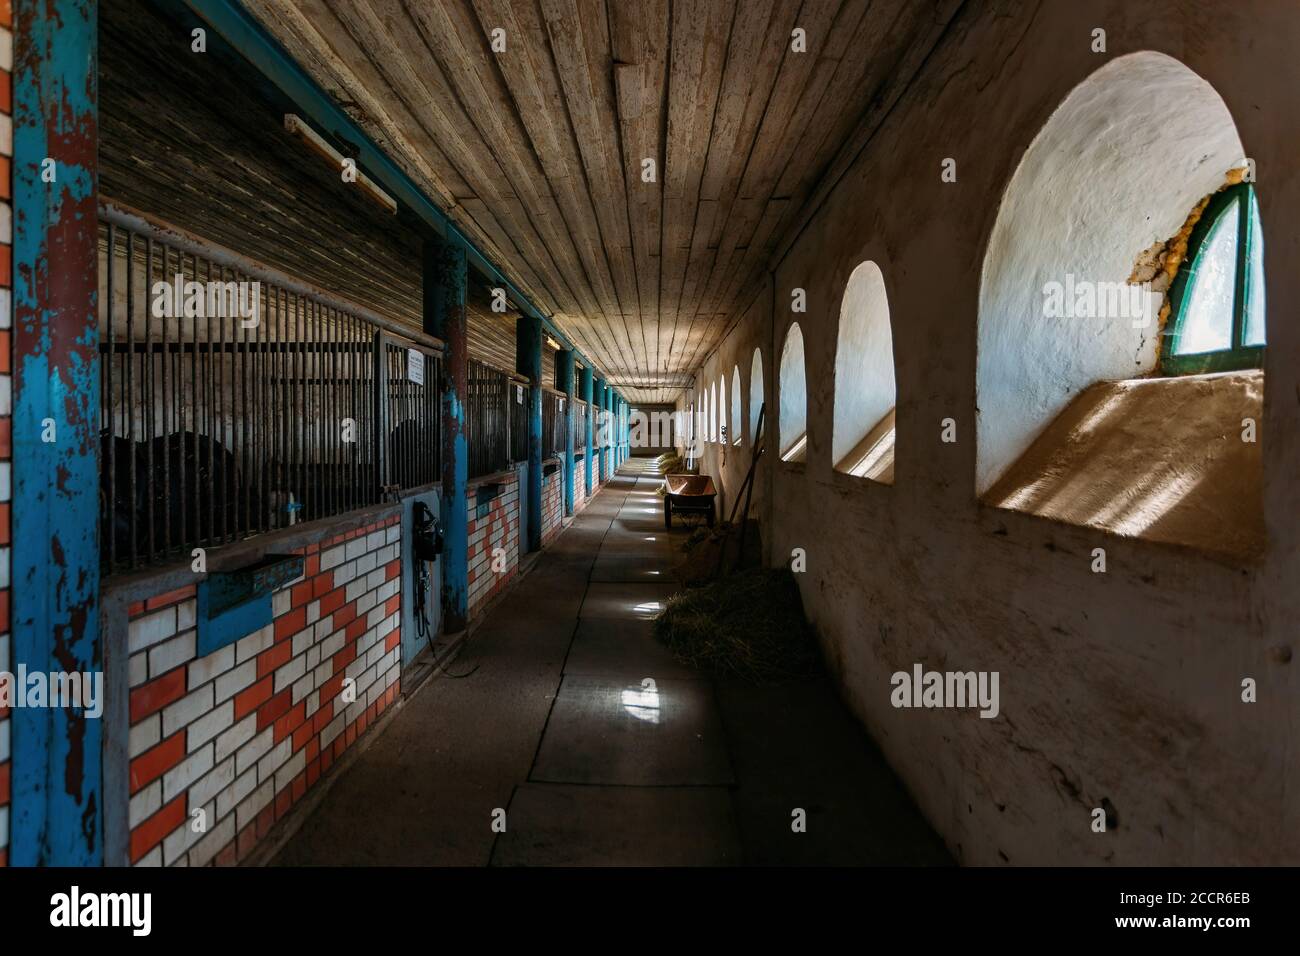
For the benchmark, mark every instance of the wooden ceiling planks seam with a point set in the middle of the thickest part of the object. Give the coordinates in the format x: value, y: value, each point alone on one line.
x: 537, y: 149
x: 527, y: 70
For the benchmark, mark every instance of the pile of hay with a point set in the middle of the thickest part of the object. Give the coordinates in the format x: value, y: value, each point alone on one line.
x: 700, y: 552
x: 669, y: 463
x: 748, y: 625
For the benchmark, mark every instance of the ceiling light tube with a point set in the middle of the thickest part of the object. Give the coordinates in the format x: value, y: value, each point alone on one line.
x: 296, y: 126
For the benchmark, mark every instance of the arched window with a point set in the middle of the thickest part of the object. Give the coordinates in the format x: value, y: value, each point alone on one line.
x: 793, y: 422
x: 713, y: 413
x: 737, y: 426
x: 755, y: 393
x: 722, y: 410
x: 1091, y: 409
x: 862, y: 442
x: 1216, y: 314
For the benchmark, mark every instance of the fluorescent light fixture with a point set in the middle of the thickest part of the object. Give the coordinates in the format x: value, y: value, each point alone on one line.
x: 298, y: 127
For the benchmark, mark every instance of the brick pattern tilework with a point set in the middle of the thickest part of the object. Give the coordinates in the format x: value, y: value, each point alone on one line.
x: 6, y: 385
x: 579, y: 484
x: 245, y: 731
x: 493, y: 525
x: 552, y: 504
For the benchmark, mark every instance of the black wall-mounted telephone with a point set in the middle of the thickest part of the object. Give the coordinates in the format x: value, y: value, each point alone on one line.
x: 427, y: 542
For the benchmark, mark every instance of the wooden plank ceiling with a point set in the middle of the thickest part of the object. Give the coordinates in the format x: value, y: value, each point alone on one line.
x: 537, y: 151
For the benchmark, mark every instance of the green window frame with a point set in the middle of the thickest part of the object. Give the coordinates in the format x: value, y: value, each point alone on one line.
x: 1239, y: 199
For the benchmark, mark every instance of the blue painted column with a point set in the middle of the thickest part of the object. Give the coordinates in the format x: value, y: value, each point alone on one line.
x: 445, y: 280
x: 564, y: 382
x: 587, y: 387
x: 602, y: 426
x: 528, y: 362
x: 607, y: 453
x: 57, y: 806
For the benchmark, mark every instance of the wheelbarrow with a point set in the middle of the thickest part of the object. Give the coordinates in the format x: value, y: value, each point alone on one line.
x: 688, y: 494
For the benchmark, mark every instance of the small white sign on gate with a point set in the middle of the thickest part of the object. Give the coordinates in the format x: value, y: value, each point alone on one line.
x: 415, y: 366
x: 519, y: 394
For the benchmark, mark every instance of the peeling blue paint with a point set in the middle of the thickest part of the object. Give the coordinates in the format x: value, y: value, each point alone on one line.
x: 528, y: 362
x: 564, y: 382
x: 586, y: 385
x: 57, y: 805
x: 445, y: 284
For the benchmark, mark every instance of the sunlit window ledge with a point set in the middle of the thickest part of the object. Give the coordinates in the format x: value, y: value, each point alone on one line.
x: 1160, y: 459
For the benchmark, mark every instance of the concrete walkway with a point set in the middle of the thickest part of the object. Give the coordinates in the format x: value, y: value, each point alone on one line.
x: 599, y: 748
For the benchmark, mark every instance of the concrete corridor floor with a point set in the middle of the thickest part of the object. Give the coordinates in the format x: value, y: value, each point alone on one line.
x: 600, y: 748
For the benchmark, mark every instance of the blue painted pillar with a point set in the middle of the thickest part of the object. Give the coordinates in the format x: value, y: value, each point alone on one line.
x: 587, y: 387
x: 528, y: 362
x: 57, y: 805
x: 564, y: 382
x: 602, y: 430
x: 445, y: 279
x: 607, y: 453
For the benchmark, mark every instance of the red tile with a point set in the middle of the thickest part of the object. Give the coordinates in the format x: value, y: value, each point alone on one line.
x: 157, y: 760
x: 158, y: 693
x: 345, y: 656
x: 290, y: 721
x: 246, y: 840
x: 275, y: 707
x: 355, y: 629
x: 150, y: 833
x: 344, y: 615
x: 302, y: 736
x: 289, y: 624
x: 171, y: 597
x: 248, y: 700
x: 331, y: 602
x: 277, y: 655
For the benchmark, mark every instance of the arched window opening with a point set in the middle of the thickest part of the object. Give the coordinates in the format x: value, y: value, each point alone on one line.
x: 713, y: 413
x: 793, y: 422
x: 722, y: 410
x: 1116, y: 396
x: 737, y: 423
x: 862, y: 442
x: 755, y: 393
x: 1216, y: 303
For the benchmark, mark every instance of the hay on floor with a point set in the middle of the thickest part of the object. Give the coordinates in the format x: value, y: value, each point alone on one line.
x: 749, y: 625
